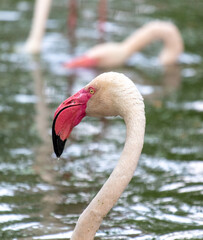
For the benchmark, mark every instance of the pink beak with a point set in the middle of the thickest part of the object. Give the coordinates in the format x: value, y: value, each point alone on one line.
x: 67, y: 116
x: 82, y: 61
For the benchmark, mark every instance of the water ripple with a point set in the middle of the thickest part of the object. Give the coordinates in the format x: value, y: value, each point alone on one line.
x: 188, y: 234
x: 9, y: 16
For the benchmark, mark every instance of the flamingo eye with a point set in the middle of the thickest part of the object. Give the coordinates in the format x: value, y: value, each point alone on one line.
x: 91, y: 90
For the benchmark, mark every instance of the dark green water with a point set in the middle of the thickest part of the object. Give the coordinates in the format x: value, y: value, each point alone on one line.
x: 41, y: 197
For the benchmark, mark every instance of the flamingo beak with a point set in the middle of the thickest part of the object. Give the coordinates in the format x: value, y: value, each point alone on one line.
x: 67, y: 116
x: 83, y: 61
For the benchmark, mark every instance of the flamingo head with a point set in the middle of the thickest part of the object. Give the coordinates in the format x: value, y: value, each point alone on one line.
x: 106, y: 95
x: 69, y: 114
x: 82, y: 61
x: 103, y: 55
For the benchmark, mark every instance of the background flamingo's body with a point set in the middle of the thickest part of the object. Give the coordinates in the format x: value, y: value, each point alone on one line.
x: 115, y: 54
x: 112, y: 94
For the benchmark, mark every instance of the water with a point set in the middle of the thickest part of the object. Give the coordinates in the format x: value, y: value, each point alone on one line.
x: 41, y: 197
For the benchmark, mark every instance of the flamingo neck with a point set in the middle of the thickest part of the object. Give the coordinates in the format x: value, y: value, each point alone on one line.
x: 41, y: 13
x: 164, y: 31
x: 106, y: 198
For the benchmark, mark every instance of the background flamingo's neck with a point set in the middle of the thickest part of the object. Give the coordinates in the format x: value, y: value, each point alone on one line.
x: 106, y: 198
x: 41, y: 13
x: 164, y: 31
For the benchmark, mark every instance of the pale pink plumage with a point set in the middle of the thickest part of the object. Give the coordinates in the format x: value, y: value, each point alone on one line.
x: 113, y: 54
x: 111, y: 94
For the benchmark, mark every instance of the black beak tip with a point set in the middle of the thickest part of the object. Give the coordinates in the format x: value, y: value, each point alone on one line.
x: 58, y: 144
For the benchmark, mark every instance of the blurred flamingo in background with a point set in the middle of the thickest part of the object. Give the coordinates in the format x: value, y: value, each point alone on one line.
x: 115, y: 54
x: 108, y: 54
x: 40, y: 16
x: 109, y: 94
x: 41, y: 13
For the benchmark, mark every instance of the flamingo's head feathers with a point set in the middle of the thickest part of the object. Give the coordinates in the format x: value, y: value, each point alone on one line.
x: 109, y: 94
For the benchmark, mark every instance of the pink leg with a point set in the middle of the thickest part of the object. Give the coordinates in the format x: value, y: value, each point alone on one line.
x: 72, y: 16
x: 102, y: 15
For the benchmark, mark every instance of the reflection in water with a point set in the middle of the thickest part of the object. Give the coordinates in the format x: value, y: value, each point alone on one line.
x: 171, y: 79
x: 165, y: 82
x: 44, y: 165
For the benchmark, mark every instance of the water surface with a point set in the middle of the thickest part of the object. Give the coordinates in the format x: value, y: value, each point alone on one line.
x: 41, y: 197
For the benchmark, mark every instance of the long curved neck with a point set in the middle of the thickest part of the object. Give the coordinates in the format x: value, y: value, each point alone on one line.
x: 41, y: 12
x: 93, y: 215
x: 164, y: 31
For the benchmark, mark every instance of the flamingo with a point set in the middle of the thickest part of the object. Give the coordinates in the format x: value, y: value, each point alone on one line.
x: 109, y: 94
x: 41, y: 12
x: 40, y: 16
x: 114, y: 54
